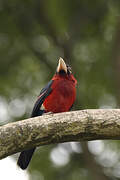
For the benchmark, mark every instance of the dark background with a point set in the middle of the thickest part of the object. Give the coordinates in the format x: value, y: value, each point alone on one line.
x: 33, y: 35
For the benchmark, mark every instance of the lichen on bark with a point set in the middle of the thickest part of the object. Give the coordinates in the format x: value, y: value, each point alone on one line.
x: 79, y: 125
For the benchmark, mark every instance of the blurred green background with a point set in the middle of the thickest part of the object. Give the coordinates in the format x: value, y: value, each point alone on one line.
x: 33, y: 35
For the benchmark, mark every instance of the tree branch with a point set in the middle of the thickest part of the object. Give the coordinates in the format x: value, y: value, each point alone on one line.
x: 56, y: 128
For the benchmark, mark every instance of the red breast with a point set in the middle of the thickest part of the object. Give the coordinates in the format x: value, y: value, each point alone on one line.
x: 63, y: 94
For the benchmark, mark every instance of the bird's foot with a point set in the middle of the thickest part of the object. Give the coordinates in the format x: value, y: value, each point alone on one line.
x: 48, y: 113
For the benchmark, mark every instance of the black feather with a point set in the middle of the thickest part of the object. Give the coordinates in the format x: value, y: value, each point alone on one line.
x: 25, y: 156
x: 43, y: 94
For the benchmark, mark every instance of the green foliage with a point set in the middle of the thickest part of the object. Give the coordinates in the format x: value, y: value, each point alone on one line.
x: 33, y: 35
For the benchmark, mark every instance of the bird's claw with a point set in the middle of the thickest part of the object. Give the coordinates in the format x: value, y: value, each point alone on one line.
x: 48, y: 113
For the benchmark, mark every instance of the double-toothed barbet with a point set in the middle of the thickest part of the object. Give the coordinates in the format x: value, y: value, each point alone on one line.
x: 57, y: 96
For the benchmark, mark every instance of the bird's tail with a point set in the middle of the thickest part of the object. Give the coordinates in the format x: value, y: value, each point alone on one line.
x: 24, y: 158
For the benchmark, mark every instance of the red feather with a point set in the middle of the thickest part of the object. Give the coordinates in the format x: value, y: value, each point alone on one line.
x: 63, y: 94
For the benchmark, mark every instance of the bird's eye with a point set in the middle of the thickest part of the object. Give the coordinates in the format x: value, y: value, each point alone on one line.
x: 69, y: 70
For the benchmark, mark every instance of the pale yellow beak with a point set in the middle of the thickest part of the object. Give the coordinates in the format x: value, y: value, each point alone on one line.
x: 61, y: 66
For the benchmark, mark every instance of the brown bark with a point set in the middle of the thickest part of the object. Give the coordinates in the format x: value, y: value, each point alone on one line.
x: 61, y: 127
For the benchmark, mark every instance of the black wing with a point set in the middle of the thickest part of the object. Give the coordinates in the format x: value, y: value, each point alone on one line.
x: 25, y: 156
x: 43, y: 94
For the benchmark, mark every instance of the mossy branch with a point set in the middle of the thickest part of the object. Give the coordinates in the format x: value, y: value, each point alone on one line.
x: 56, y: 128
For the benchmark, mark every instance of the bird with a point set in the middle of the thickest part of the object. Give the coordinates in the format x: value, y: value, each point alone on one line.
x: 57, y: 96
